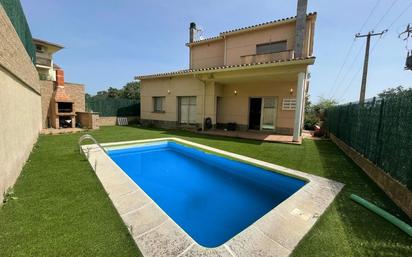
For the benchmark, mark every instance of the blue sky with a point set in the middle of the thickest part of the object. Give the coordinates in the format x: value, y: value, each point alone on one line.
x: 109, y: 42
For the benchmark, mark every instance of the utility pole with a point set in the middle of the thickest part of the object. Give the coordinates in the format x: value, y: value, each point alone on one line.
x: 407, y: 34
x: 366, y: 62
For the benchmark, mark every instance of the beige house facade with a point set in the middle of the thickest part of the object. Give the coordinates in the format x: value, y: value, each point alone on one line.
x: 252, y: 78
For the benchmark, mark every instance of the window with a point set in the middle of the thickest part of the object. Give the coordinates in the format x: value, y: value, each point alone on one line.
x: 271, y: 47
x: 158, y: 104
x: 289, y: 104
x: 187, y: 109
x: 39, y: 49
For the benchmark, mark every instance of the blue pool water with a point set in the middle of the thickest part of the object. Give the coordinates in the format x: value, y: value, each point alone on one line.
x: 212, y: 198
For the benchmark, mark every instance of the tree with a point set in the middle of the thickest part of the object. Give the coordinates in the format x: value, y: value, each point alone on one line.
x: 314, y: 112
x: 396, y: 91
x: 101, y: 94
x: 323, y: 104
x: 131, y: 90
x: 113, y: 92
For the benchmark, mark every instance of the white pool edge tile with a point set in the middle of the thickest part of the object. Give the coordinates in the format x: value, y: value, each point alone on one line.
x: 303, y: 208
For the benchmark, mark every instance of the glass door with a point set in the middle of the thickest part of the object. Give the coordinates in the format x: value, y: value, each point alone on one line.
x: 269, y: 111
x: 187, y: 109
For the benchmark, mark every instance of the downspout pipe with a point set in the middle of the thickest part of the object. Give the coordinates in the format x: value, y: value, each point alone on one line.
x: 387, y: 216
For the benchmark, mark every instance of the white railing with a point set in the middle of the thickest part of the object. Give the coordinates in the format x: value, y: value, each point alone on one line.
x: 261, y: 58
x: 89, y: 137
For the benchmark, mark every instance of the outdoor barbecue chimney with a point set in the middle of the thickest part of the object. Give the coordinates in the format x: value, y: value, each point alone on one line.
x: 60, y: 77
x: 60, y: 94
x: 300, y: 27
x: 62, y: 113
x: 192, y: 32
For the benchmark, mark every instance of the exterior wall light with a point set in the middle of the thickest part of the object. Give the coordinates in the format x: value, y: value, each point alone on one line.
x: 168, y: 91
x: 291, y: 91
x: 235, y: 92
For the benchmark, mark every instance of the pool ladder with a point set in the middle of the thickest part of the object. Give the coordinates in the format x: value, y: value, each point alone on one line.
x: 89, y: 137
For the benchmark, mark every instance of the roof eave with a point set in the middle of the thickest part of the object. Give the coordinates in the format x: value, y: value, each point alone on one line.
x: 305, y: 61
x: 48, y: 43
x: 204, y: 41
x: 221, y: 35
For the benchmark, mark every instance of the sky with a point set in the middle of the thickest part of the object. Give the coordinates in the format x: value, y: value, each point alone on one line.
x: 107, y: 43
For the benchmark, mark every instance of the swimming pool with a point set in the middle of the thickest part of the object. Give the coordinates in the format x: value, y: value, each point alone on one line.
x: 212, y: 198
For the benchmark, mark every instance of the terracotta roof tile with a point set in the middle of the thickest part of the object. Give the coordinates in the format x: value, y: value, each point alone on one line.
x: 221, y: 34
x: 191, y: 71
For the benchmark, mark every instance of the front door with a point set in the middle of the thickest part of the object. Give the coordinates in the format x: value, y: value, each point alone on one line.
x: 255, y: 109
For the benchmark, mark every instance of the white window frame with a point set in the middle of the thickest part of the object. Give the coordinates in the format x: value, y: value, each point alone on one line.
x: 191, y: 110
x: 162, y: 104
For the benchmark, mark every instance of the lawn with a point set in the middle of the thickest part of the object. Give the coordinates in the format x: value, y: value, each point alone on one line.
x: 59, y: 208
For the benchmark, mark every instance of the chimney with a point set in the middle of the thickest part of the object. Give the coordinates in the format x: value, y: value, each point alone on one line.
x: 300, y: 27
x: 60, y: 77
x: 192, y: 32
x: 59, y: 93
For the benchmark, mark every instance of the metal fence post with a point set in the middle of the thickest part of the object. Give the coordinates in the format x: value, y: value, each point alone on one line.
x: 378, y: 135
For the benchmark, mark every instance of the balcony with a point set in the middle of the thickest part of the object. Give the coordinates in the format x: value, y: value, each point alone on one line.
x: 43, y: 61
x: 271, y: 57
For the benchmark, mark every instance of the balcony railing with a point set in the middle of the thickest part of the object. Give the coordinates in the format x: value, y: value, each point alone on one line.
x: 271, y: 57
x: 43, y: 61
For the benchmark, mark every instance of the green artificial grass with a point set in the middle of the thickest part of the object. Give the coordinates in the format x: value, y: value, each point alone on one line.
x: 58, y: 207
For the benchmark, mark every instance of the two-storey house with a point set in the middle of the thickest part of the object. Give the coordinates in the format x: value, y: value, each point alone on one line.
x: 60, y: 100
x: 44, y: 58
x: 255, y: 77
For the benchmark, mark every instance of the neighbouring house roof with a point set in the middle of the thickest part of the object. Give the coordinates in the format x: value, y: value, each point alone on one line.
x: 252, y: 27
x: 40, y: 41
x: 305, y: 60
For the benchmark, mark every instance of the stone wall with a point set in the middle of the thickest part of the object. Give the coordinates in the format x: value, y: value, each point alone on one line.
x: 161, y: 124
x: 77, y: 94
x: 399, y: 193
x: 20, y: 104
x: 46, y: 91
x: 112, y: 121
x: 88, y: 120
x: 14, y: 57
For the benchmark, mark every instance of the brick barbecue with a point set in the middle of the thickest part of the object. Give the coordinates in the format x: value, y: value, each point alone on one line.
x: 62, y: 111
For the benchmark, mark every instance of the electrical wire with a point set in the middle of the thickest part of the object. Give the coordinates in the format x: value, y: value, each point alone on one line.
x: 342, y: 97
x: 369, y: 16
x: 377, y: 42
x: 400, y: 15
x: 350, y: 49
x: 386, y: 13
x: 354, y: 61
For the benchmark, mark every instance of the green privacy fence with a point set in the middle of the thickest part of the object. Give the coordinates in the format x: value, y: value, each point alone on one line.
x: 107, y: 107
x: 16, y: 15
x: 381, y: 130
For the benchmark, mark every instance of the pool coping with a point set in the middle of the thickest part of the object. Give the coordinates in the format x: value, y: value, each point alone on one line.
x: 276, y: 233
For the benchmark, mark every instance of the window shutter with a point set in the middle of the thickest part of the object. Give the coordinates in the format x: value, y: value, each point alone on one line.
x: 289, y: 104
